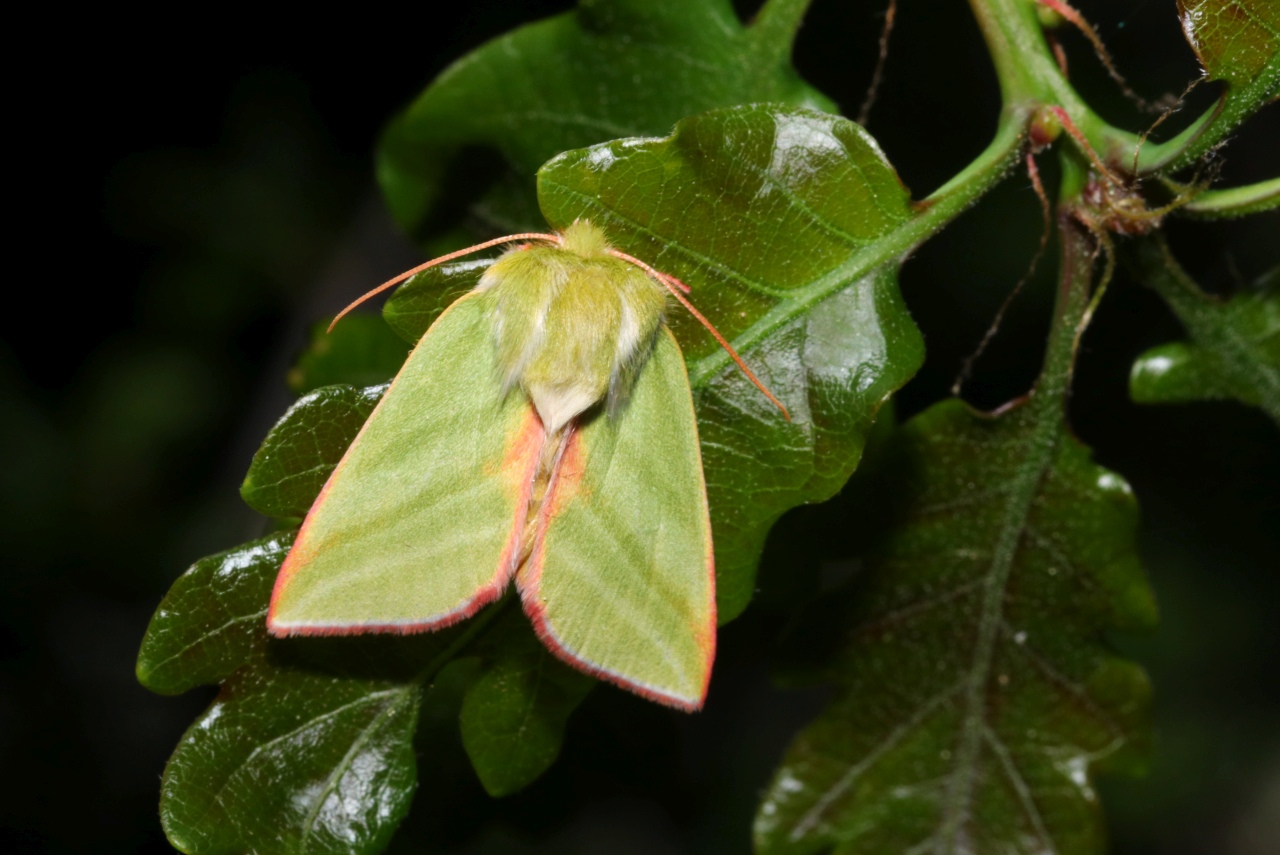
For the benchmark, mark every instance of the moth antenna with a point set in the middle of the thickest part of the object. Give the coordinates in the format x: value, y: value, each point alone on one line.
x: 1104, y: 56
x: 666, y: 279
x: 675, y: 286
x: 556, y: 239
x: 671, y: 280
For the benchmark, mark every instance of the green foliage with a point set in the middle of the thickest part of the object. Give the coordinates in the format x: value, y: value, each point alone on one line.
x: 308, y: 747
x: 303, y: 448
x: 1234, y: 350
x: 1235, y: 40
x: 1238, y: 43
x: 288, y: 760
x: 610, y: 69
x: 977, y: 694
x: 360, y: 351
x: 420, y: 300
x: 513, y: 718
x: 212, y: 620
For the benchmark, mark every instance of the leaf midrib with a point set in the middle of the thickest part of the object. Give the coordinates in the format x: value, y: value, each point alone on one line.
x: 894, y: 245
x: 395, y: 704
x: 1240, y: 356
x: 1037, y: 460
x: 204, y: 637
x: 313, y: 721
x: 933, y: 213
x: 1211, y: 327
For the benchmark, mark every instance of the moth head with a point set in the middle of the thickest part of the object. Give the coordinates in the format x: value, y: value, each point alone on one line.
x: 567, y: 352
x: 585, y: 240
x: 572, y: 324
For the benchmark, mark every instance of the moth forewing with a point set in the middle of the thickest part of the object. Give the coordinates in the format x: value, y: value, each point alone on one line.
x: 621, y: 579
x: 416, y: 527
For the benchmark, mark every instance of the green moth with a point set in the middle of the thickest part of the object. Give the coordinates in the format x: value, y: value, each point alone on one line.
x: 541, y: 431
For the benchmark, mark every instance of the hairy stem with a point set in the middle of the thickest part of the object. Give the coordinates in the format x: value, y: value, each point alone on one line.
x: 934, y: 212
x: 1214, y: 125
x: 1046, y: 411
x: 1077, y: 252
x: 1235, y: 201
x: 1029, y: 74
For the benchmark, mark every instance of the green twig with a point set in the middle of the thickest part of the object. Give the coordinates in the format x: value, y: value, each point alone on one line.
x: 1234, y: 201
x: 1029, y: 74
x: 934, y: 212
x: 1214, y: 125
x: 1078, y: 250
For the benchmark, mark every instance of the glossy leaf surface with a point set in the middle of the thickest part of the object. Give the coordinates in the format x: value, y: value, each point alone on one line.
x: 978, y: 696
x: 289, y: 760
x: 360, y: 351
x: 1234, y: 346
x: 513, y: 717
x: 1235, y: 40
x: 413, y: 306
x: 308, y: 746
x: 418, y: 526
x: 213, y: 618
x: 303, y: 447
x: 821, y: 321
x: 610, y: 69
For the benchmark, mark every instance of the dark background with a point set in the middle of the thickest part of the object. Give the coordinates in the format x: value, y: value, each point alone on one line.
x: 189, y: 204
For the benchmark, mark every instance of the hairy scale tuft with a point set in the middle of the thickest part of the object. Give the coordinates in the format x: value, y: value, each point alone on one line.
x: 586, y: 240
x: 573, y: 325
